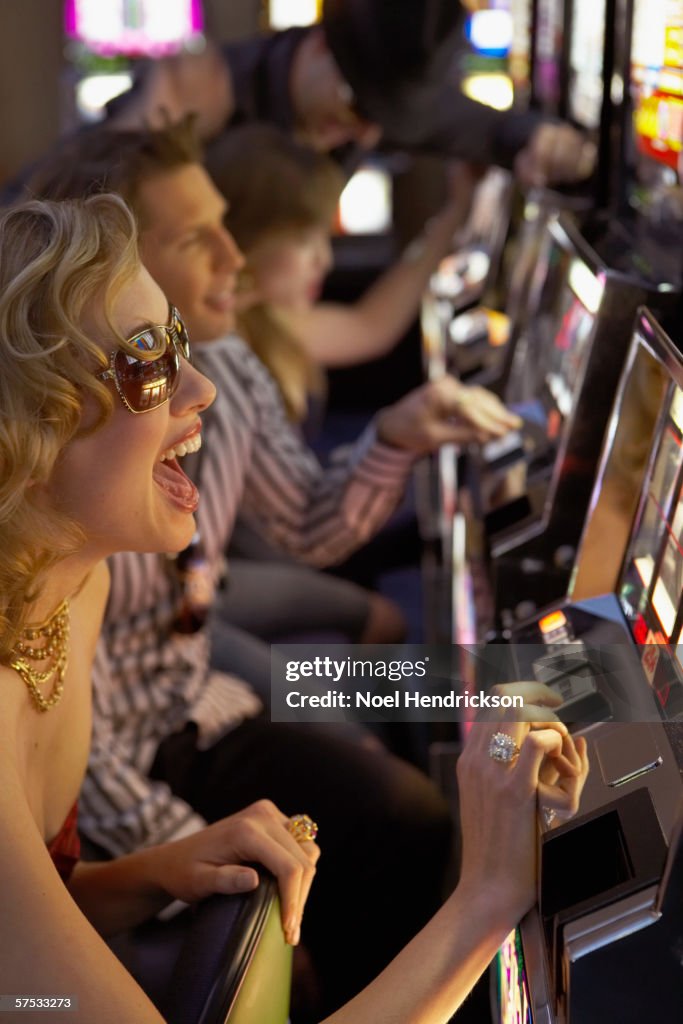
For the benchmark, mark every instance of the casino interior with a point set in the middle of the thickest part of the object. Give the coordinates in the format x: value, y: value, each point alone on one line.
x: 552, y: 553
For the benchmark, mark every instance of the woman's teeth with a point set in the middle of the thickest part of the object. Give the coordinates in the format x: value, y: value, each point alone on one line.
x: 193, y: 444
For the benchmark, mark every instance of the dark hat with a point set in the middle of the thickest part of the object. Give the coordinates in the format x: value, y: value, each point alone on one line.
x: 396, y: 55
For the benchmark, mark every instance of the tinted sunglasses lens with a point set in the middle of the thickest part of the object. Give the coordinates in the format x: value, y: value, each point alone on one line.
x: 181, y: 334
x: 147, y: 385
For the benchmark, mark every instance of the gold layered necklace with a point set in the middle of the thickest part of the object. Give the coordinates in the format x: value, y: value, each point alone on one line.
x: 46, y: 643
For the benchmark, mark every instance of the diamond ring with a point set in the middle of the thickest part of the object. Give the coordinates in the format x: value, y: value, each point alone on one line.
x: 503, y: 748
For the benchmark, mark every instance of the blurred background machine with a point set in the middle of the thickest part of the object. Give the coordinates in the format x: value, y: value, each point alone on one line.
x: 586, y: 272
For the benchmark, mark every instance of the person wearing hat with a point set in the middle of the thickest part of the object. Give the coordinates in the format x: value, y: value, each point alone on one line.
x: 375, y: 72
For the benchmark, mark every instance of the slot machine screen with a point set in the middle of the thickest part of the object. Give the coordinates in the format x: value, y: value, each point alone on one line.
x: 548, y: 55
x: 628, y: 443
x: 545, y: 382
x: 657, y: 79
x: 565, y: 320
x: 586, y: 62
x: 133, y: 28
x: 651, y: 587
x: 651, y: 584
x: 513, y: 987
x: 576, y: 317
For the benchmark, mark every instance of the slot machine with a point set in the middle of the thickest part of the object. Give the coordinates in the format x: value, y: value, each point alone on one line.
x: 548, y: 83
x: 650, y: 186
x: 481, y: 341
x: 562, y: 363
x: 467, y: 285
x: 465, y: 276
x: 590, y: 60
x: 599, y: 944
x: 577, y: 66
x: 520, y: 57
x: 569, y: 356
x: 657, y: 82
x: 627, y: 583
x: 466, y: 323
x: 573, y: 352
x: 639, y: 139
x: 620, y: 962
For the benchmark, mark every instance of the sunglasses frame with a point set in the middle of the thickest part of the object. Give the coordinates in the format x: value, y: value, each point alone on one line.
x: 177, y: 338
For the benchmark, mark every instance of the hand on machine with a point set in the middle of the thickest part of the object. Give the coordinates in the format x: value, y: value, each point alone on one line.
x: 539, y: 767
x: 562, y: 783
x: 444, y: 412
x: 555, y: 154
x: 219, y: 858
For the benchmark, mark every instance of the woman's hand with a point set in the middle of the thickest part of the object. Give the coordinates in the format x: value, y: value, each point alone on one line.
x: 499, y: 803
x: 558, y: 792
x: 214, y: 860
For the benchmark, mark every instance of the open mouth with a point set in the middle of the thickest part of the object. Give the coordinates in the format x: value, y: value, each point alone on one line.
x: 222, y: 302
x: 172, y: 480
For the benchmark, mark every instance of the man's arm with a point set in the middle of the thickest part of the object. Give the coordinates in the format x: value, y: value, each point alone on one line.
x: 320, y: 514
x: 539, y: 151
x: 316, y: 514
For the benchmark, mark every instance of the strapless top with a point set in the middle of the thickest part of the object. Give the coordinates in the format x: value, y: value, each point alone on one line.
x: 65, y: 848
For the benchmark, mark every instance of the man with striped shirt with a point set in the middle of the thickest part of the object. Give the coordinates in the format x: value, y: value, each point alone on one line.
x: 177, y: 743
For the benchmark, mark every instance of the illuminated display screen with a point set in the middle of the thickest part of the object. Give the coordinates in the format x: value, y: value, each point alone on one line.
x: 461, y: 272
x: 554, y: 620
x: 657, y: 78
x: 549, y: 33
x: 575, y: 317
x: 585, y: 62
x: 630, y: 439
x: 480, y: 324
x: 513, y: 987
x: 490, y: 32
x: 652, y: 582
x: 366, y: 204
x: 651, y: 586
x: 284, y: 14
x: 557, y: 342
x: 133, y: 28
x: 519, y: 57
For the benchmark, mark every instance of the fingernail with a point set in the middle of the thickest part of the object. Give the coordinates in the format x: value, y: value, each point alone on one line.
x: 244, y: 881
x: 292, y: 931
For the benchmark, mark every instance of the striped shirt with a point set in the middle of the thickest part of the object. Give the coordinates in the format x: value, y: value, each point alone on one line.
x: 149, y: 681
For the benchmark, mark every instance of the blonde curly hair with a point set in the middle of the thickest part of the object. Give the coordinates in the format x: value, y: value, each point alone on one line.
x: 54, y: 258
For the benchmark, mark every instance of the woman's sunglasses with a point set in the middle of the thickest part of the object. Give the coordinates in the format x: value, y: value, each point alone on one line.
x: 145, y: 384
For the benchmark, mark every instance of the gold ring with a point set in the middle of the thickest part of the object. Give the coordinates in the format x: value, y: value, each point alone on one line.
x: 503, y: 748
x: 302, y: 828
